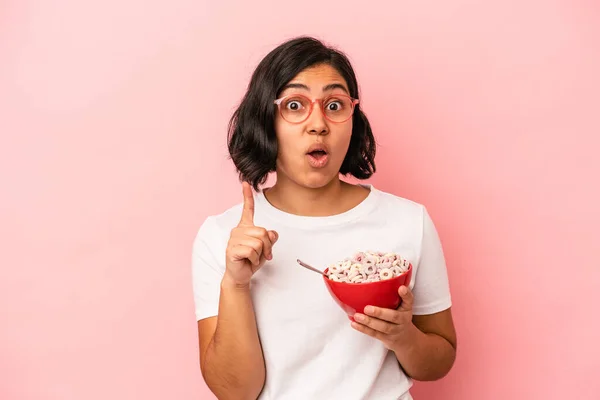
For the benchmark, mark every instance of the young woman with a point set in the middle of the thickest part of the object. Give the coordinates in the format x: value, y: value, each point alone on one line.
x: 268, y: 328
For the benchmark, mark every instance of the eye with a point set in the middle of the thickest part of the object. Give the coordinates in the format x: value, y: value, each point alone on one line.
x: 294, y: 105
x: 335, y: 105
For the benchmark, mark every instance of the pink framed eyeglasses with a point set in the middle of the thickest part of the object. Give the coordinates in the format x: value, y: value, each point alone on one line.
x: 296, y: 108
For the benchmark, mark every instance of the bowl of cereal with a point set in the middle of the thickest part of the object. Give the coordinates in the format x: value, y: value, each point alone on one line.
x: 367, y: 278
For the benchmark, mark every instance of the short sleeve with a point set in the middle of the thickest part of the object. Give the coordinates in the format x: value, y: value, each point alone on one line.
x: 208, y: 256
x: 431, y: 289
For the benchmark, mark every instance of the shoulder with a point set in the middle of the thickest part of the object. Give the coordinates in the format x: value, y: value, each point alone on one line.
x: 397, y: 206
x: 217, y: 227
x: 227, y: 219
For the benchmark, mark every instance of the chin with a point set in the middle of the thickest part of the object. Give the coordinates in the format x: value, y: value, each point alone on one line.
x: 314, y: 181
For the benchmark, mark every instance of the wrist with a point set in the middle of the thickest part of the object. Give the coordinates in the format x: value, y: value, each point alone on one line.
x: 228, y: 282
x: 408, y: 341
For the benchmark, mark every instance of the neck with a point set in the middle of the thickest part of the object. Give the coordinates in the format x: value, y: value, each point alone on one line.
x: 330, y: 199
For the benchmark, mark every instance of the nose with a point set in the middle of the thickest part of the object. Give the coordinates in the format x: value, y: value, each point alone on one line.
x: 317, y: 124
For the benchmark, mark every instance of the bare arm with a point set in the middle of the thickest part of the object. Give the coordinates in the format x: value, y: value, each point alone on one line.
x: 231, y: 356
x: 431, y: 352
x: 425, y: 345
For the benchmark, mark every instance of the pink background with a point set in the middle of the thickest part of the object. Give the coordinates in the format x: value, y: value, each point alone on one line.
x: 112, y: 152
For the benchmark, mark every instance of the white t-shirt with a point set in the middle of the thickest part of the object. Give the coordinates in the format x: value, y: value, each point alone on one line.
x: 310, y: 349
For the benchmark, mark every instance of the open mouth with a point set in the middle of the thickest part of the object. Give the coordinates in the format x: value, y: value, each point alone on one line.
x: 317, y: 153
x: 317, y: 158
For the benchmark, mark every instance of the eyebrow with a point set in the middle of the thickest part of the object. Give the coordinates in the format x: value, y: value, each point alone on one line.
x: 326, y: 88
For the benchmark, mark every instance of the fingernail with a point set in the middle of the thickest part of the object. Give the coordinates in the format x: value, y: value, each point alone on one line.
x: 369, y: 309
x: 359, y: 317
x: 403, y: 290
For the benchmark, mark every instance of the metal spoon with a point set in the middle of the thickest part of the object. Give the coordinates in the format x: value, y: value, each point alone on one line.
x: 305, y: 265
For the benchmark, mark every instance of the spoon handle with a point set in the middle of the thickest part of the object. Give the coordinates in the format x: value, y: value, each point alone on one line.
x: 311, y: 268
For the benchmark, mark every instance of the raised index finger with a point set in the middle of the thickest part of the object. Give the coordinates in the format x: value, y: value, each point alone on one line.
x: 248, y: 210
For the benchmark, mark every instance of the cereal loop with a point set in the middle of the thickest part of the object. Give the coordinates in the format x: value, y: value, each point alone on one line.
x: 368, y: 266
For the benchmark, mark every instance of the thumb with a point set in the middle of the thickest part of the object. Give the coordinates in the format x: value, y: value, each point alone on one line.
x: 273, y: 236
x: 407, y: 298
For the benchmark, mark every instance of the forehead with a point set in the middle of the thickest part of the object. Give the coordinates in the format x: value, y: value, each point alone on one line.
x: 318, y: 77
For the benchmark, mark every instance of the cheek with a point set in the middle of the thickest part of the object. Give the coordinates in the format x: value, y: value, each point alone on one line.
x: 342, y: 138
x: 287, y: 147
x: 279, y: 126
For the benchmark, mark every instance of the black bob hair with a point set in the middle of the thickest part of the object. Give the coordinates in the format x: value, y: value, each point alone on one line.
x: 251, y: 138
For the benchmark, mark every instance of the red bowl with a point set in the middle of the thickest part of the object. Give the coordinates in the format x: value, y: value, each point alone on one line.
x: 354, y: 297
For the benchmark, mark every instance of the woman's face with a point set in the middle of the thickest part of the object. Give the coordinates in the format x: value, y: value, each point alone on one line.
x: 295, y: 159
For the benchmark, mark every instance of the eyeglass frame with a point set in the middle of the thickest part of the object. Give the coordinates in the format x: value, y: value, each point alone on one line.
x: 312, y: 102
